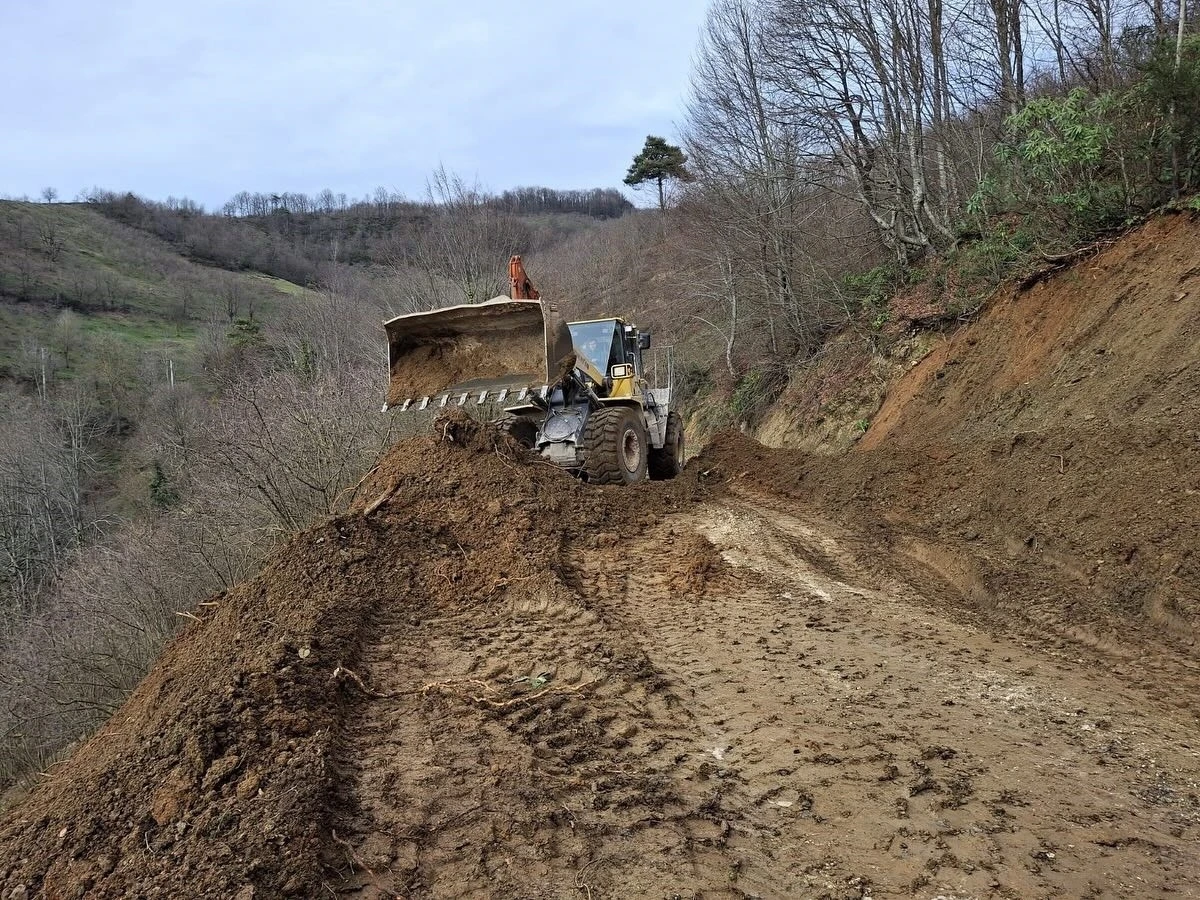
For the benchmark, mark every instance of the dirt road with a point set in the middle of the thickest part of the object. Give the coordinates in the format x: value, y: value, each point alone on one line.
x: 762, y: 717
x: 489, y: 679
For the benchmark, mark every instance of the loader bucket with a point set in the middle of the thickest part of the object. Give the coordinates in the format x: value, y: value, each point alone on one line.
x: 500, y: 344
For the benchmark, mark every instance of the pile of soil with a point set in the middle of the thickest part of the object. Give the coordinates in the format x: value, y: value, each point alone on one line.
x: 433, y: 368
x: 217, y: 777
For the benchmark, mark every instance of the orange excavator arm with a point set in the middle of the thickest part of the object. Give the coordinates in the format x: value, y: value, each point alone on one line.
x: 522, y: 288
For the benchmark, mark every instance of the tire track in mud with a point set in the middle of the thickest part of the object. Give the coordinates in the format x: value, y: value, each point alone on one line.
x: 522, y: 749
x: 955, y: 584
x: 802, y: 723
x: 873, y: 745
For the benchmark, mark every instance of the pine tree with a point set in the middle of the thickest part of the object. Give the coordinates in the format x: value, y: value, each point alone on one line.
x: 658, y: 162
x: 162, y: 494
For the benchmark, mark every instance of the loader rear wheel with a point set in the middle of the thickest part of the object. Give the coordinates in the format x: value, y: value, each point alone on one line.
x: 667, y: 461
x: 522, y: 429
x: 615, y: 445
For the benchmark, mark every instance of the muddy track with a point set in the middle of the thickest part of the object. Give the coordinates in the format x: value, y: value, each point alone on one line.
x: 1146, y: 651
x: 936, y: 756
x: 527, y: 749
x: 793, y: 725
x: 488, y: 679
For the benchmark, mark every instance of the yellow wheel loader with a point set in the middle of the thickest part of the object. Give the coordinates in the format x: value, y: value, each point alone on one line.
x: 574, y: 392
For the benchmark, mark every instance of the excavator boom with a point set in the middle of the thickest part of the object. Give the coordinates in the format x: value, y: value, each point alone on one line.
x: 522, y: 288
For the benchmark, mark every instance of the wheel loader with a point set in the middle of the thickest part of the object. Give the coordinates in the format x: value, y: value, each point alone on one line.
x: 574, y: 392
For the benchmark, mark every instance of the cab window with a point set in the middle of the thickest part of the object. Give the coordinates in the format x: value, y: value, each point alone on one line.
x: 597, y: 342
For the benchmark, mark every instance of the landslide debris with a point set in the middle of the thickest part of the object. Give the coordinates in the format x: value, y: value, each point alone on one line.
x: 1045, y: 459
x: 215, y: 778
x: 360, y: 717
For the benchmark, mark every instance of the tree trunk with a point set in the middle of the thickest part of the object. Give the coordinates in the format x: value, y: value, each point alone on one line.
x: 1175, y: 180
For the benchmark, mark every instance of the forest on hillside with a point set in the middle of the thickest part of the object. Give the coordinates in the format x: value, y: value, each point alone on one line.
x: 185, y: 388
x: 846, y: 150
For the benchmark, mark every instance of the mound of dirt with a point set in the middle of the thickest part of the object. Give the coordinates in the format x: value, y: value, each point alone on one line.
x: 223, y: 774
x: 432, y: 369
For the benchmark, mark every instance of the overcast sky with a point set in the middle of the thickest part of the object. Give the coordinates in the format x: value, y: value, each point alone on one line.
x: 208, y: 97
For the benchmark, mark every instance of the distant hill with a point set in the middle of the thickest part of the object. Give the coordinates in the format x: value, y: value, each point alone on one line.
x: 291, y: 235
x: 121, y: 281
x: 154, y: 275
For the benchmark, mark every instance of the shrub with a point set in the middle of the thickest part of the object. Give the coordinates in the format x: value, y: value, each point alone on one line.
x: 1167, y: 96
x: 692, y: 382
x: 870, y: 291
x: 1058, y: 162
x: 757, y: 390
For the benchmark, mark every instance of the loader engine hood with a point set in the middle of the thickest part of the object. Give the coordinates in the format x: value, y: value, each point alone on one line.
x: 502, y: 343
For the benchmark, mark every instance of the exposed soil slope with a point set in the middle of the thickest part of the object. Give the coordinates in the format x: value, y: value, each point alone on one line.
x: 1114, y: 340
x: 1046, y: 457
x: 222, y: 770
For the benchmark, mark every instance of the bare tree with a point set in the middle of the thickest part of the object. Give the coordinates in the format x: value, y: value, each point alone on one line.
x: 79, y: 629
x: 460, y: 255
x: 337, y: 329
x: 1006, y: 18
x: 67, y: 335
x: 857, y: 73
x: 180, y: 311
x: 46, y: 456
x: 725, y: 299
x: 232, y: 296
x: 749, y: 162
x: 27, y: 275
x: 51, y: 241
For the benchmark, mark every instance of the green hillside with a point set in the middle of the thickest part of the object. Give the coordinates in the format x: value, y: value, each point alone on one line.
x: 120, y: 283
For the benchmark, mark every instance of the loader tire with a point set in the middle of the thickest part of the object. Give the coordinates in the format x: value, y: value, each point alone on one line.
x: 522, y: 429
x: 667, y: 461
x: 615, y: 445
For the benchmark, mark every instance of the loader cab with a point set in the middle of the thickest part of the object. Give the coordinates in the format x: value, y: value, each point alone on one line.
x: 610, y: 342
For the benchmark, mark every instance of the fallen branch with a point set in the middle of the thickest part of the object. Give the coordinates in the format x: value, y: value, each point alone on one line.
x: 381, y: 499
x: 452, y: 687
x: 351, y: 855
x: 456, y: 687
x: 354, y: 488
x: 581, y: 882
x: 340, y: 672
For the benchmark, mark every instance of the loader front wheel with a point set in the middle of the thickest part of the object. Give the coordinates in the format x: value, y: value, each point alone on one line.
x: 667, y: 461
x: 522, y: 429
x: 615, y: 446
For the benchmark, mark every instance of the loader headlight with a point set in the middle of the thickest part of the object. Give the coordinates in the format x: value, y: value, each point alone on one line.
x: 622, y: 370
